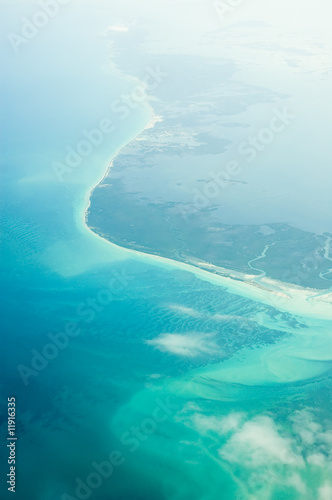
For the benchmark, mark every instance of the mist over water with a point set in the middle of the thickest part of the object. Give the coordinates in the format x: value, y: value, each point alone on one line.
x: 138, y: 377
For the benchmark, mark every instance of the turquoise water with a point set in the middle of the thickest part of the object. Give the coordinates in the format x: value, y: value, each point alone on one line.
x: 137, y: 377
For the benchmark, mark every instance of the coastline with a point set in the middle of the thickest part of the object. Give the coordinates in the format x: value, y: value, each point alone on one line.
x: 89, y: 192
x: 283, y: 296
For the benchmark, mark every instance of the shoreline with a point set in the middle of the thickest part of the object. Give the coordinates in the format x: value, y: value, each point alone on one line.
x: 274, y: 293
x: 90, y: 191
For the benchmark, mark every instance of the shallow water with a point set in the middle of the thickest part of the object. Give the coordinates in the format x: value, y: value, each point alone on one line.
x: 202, y: 386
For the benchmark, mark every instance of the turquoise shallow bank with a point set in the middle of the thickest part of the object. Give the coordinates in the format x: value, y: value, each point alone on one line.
x: 138, y: 376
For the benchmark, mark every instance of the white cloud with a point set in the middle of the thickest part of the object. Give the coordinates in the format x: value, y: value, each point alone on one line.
x: 317, y: 459
x: 189, y: 344
x: 258, y: 443
x: 268, y: 454
x: 316, y: 437
x: 186, y: 310
x: 119, y: 29
x: 219, y: 425
x: 325, y: 492
x: 305, y: 426
x: 297, y: 482
x: 189, y: 311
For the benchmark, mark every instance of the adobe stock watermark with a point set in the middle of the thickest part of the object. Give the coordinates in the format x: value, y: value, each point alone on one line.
x: 249, y: 150
x: 30, y: 28
x: 93, y: 138
x: 225, y: 7
x: 131, y: 441
x: 86, y: 311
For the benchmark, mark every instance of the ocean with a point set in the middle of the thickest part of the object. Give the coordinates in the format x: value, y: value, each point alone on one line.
x: 137, y: 376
